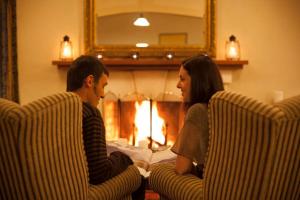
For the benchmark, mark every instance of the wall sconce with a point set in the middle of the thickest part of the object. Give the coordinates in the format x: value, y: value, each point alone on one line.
x: 232, y: 48
x: 66, y: 49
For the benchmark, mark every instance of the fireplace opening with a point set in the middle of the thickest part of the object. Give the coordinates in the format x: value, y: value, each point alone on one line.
x: 141, y: 121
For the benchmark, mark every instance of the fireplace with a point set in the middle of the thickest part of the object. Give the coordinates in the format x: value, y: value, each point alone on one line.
x: 141, y: 121
x: 156, y: 79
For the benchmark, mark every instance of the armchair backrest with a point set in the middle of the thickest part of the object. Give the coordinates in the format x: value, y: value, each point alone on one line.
x: 285, y: 180
x: 41, y: 149
x: 249, y: 142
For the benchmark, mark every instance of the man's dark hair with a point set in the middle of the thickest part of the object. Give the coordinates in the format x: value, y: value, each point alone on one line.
x: 206, y: 79
x: 81, y: 68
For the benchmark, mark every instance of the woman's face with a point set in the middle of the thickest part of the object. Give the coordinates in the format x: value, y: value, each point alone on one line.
x: 184, y: 84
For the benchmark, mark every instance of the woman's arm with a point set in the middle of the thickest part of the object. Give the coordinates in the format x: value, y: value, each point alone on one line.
x: 191, y: 143
x: 183, y: 165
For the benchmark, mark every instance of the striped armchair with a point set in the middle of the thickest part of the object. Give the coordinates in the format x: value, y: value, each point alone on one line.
x: 253, y: 153
x: 42, y: 154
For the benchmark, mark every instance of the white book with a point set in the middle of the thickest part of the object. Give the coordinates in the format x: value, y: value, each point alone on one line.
x: 143, y: 158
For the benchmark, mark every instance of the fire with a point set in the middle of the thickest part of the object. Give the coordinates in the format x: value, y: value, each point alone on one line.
x: 142, y: 124
x: 158, y: 126
x: 110, y: 122
x: 142, y: 121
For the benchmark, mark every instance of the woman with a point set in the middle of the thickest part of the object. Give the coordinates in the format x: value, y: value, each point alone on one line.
x: 199, y: 79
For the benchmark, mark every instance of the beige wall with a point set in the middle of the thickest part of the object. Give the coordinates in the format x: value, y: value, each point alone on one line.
x: 267, y: 30
x: 41, y: 26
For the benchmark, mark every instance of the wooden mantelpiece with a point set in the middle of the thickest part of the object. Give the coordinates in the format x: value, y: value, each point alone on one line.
x: 62, y: 63
x: 153, y: 64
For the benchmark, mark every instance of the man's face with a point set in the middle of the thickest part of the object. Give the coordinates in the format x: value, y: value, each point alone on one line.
x: 97, y: 90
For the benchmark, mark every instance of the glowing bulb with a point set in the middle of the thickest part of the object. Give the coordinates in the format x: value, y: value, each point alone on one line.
x: 232, y: 52
x: 141, y: 21
x: 135, y: 56
x: 99, y: 56
x: 142, y: 44
x: 169, y: 56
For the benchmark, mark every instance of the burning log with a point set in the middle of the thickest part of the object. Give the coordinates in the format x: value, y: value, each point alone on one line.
x: 156, y: 142
x: 166, y: 134
x: 150, y: 144
x: 133, y: 134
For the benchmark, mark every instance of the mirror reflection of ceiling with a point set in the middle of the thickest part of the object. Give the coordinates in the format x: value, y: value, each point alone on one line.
x: 172, y: 23
x: 194, y: 8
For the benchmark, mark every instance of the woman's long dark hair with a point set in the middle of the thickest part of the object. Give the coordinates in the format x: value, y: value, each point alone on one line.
x: 206, y: 79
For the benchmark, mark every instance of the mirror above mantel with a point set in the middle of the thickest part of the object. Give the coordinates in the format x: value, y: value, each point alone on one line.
x: 117, y: 50
x: 184, y: 28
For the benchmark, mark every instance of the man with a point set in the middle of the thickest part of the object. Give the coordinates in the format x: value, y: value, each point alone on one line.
x: 87, y: 77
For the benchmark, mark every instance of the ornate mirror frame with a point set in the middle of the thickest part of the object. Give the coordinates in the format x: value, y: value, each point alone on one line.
x: 154, y: 51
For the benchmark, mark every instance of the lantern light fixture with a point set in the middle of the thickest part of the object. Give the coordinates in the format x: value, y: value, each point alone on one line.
x: 232, y: 49
x: 66, y: 49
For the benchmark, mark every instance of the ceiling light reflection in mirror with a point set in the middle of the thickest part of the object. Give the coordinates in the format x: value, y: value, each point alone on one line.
x: 173, y: 23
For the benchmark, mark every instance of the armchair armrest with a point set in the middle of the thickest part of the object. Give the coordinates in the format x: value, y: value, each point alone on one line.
x: 168, y: 184
x: 118, y: 187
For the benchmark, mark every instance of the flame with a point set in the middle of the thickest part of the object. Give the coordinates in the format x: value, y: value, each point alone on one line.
x: 112, y: 132
x: 158, y: 126
x: 170, y: 143
x: 130, y: 140
x: 142, y: 123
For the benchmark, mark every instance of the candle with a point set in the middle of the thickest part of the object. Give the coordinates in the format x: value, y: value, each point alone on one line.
x: 232, y: 52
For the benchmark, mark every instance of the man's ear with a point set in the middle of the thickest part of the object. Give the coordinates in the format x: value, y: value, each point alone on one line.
x: 89, y: 81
